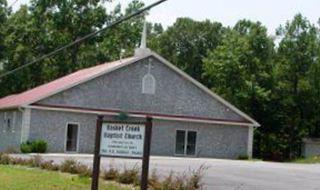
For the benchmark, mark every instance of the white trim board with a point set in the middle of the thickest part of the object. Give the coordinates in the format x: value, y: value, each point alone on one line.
x: 140, y: 116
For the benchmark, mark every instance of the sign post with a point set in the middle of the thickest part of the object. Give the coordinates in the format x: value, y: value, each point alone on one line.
x: 96, y: 158
x: 146, y: 154
x: 122, y: 140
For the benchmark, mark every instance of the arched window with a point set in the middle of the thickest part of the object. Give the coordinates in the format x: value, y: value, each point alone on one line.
x: 148, y: 84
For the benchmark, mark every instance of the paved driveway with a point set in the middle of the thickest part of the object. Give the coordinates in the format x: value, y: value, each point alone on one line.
x: 224, y: 174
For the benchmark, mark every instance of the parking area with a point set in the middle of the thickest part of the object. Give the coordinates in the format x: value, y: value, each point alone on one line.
x: 221, y: 174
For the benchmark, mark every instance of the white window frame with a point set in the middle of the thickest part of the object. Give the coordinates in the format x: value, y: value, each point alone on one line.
x: 186, y: 142
x: 66, y: 137
x: 153, y: 81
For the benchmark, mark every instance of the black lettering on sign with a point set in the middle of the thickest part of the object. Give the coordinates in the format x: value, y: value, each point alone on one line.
x: 131, y: 136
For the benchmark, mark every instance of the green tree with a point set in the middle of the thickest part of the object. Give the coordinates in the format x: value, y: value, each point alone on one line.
x: 3, y: 21
x: 297, y: 57
x: 241, y: 70
x: 20, y: 42
x: 43, y: 26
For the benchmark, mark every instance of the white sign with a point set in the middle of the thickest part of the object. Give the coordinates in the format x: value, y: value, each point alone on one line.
x: 121, y: 139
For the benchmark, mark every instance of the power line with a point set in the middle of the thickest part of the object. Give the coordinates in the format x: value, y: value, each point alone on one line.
x: 83, y: 38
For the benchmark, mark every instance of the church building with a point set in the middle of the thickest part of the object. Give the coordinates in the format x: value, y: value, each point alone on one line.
x: 188, y: 119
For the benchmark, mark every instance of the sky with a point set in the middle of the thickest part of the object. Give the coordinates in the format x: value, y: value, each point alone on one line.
x: 270, y: 13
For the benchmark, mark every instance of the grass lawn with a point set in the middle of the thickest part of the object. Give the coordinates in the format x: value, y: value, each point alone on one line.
x: 311, y: 160
x: 22, y: 178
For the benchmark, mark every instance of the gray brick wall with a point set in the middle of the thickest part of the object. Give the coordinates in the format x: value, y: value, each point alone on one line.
x: 218, y: 141
x: 122, y: 89
x: 10, y: 138
x: 212, y: 141
x: 51, y: 126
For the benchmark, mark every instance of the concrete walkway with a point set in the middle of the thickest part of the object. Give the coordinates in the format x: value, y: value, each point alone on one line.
x: 221, y: 174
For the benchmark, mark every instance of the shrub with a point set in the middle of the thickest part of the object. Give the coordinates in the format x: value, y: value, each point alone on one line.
x: 195, y: 179
x: 167, y: 182
x: 39, y: 146
x: 49, y: 165
x: 26, y: 147
x: 4, y: 159
x: 73, y: 167
x: 243, y: 157
x: 111, y: 174
x: 179, y: 182
x: 83, y: 170
x: 68, y: 166
x: 129, y: 176
x: 36, y: 161
x: 154, y: 182
x: 20, y: 161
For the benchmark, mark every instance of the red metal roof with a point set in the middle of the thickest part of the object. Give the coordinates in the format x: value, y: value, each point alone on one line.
x: 45, y: 90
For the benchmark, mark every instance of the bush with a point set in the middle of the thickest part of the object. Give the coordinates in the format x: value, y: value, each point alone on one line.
x: 111, y: 174
x: 73, y: 167
x: 83, y: 170
x: 129, y: 176
x: 195, y: 179
x: 26, y: 147
x: 68, y: 166
x: 4, y: 159
x: 243, y: 157
x: 38, y: 146
x: 49, y: 165
x: 179, y: 182
x: 36, y: 161
x: 20, y: 161
x: 154, y: 182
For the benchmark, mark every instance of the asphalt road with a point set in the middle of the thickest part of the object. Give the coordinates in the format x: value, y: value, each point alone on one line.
x: 223, y: 174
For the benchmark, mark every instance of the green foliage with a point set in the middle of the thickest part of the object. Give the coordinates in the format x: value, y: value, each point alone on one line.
x: 26, y: 147
x: 21, y: 178
x: 4, y: 159
x: 243, y: 157
x: 38, y: 146
x: 49, y: 165
x: 297, y: 59
x: 129, y: 176
x: 74, y: 167
x: 69, y: 166
x: 111, y: 174
x: 278, y: 85
x: 310, y: 160
x: 44, y: 26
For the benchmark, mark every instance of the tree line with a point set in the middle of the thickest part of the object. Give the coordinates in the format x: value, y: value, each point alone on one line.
x: 275, y: 79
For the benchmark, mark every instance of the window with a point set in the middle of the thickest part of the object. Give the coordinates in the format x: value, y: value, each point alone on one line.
x: 180, y: 142
x: 72, y: 137
x: 186, y: 142
x: 148, y: 84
